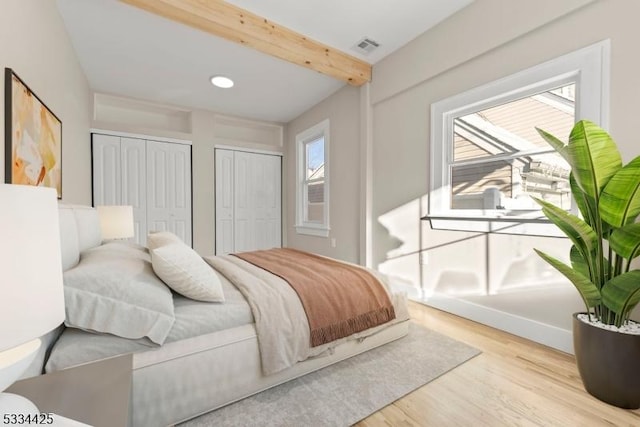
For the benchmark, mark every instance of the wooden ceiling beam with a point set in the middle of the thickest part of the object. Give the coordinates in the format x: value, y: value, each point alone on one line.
x: 228, y: 21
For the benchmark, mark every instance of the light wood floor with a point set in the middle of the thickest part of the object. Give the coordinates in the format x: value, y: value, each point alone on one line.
x: 514, y: 382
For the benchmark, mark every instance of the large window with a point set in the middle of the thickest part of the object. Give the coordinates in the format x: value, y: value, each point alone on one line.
x: 312, y: 195
x: 487, y: 159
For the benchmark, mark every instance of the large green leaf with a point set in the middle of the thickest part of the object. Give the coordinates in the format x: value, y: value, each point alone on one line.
x: 620, y: 199
x: 585, y: 204
x: 625, y: 241
x: 578, y: 262
x: 593, y: 156
x: 580, y: 233
x: 622, y: 293
x: 557, y: 145
x: 589, y: 292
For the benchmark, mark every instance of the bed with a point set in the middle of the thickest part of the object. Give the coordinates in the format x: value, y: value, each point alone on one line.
x: 189, y: 357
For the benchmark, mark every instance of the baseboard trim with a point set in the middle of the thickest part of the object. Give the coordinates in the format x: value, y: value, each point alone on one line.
x: 548, y: 335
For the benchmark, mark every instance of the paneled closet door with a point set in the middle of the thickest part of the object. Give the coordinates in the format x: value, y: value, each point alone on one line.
x: 107, y: 182
x: 248, y: 201
x: 169, y: 188
x: 257, y: 194
x: 244, y: 199
x: 266, y: 176
x: 224, y: 202
x: 134, y: 186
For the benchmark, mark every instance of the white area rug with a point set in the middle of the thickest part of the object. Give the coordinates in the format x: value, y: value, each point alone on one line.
x: 345, y: 393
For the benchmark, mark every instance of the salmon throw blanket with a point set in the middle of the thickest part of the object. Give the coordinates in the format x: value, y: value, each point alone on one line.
x: 339, y: 299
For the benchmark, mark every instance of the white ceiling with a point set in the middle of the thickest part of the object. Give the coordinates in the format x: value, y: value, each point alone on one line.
x: 126, y: 51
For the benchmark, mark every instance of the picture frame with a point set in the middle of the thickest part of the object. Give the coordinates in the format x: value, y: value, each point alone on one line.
x: 33, y: 137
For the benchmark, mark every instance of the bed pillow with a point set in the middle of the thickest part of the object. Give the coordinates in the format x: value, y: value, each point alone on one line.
x: 114, y: 290
x: 157, y: 239
x: 184, y: 271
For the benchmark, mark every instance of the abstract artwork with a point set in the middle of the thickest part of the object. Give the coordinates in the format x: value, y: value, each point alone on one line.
x: 33, y: 138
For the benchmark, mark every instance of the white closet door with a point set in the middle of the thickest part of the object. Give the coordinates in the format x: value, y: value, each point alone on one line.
x: 169, y: 188
x: 134, y: 186
x: 224, y: 202
x: 244, y: 200
x: 248, y: 201
x: 107, y: 183
x: 267, y: 201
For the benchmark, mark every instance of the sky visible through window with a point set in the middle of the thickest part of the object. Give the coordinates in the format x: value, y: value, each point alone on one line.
x: 315, y: 154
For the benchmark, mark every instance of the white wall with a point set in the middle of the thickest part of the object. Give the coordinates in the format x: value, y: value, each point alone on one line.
x: 477, y: 46
x: 202, y: 166
x: 487, y: 40
x: 34, y: 43
x: 342, y: 109
x: 400, y: 143
x: 480, y: 27
x: 401, y: 120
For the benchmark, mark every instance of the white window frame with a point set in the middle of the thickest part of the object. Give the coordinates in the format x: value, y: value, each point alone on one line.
x: 588, y: 68
x: 320, y: 130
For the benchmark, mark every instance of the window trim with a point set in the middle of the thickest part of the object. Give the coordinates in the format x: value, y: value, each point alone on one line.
x: 320, y: 130
x: 587, y: 67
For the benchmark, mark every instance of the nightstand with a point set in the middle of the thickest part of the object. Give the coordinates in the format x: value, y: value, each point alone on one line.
x: 96, y: 393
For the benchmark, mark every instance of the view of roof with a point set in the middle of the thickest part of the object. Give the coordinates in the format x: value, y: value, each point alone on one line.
x: 508, y: 129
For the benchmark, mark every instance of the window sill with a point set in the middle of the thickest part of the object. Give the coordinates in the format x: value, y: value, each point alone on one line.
x: 312, y: 231
x: 518, y: 225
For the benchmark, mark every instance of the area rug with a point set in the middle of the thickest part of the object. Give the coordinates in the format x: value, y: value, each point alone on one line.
x: 345, y: 393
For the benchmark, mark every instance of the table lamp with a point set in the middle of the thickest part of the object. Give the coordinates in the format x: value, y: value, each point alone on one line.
x: 31, y: 292
x: 116, y: 222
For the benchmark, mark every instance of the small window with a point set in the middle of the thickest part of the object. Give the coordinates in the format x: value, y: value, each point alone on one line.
x: 312, y: 204
x: 487, y: 159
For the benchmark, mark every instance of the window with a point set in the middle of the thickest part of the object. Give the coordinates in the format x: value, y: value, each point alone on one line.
x: 499, y: 160
x: 487, y: 159
x: 312, y: 195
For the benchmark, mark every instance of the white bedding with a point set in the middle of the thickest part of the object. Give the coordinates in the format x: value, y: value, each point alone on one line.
x: 209, y: 359
x: 281, y: 322
x: 193, y: 318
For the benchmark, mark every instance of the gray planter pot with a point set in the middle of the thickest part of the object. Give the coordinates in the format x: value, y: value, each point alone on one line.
x: 608, y: 364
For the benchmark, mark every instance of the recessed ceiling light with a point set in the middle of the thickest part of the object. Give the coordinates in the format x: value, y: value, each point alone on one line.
x: 222, y: 81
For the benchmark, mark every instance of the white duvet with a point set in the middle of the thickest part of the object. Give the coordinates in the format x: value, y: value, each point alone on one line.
x: 281, y: 322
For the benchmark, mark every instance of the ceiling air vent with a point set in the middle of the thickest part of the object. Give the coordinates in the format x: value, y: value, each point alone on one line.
x: 366, y: 46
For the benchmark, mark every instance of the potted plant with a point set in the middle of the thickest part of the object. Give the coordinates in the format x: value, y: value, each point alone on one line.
x: 605, y: 241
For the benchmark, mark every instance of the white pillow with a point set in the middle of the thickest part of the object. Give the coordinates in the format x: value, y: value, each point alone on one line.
x: 184, y: 271
x: 157, y: 239
x: 113, y: 290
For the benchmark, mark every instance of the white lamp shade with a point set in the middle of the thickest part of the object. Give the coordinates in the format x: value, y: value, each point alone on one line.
x: 116, y: 222
x: 31, y: 292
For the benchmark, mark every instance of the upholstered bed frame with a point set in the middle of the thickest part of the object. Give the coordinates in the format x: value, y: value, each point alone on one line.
x: 183, y: 379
